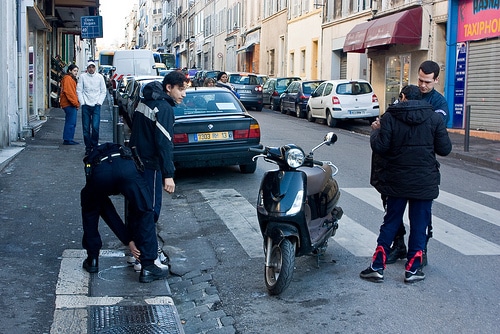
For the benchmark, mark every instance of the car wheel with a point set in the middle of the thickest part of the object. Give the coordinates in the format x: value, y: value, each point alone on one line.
x: 249, y: 168
x: 330, y: 121
x: 310, y: 118
x: 282, y: 107
x: 298, y: 111
x: 371, y: 120
x: 275, y: 106
x: 259, y: 108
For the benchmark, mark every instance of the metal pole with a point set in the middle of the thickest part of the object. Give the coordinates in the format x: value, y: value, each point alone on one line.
x: 115, y: 123
x: 120, y: 136
x: 467, y: 128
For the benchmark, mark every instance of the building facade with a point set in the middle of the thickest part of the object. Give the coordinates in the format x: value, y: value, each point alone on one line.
x: 383, y: 41
x: 45, y: 35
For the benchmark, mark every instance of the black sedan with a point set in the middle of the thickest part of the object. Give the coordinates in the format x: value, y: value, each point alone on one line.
x: 294, y: 98
x: 212, y: 128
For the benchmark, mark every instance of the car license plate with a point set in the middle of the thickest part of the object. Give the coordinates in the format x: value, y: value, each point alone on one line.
x: 210, y: 136
x: 356, y: 112
x: 245, y: 91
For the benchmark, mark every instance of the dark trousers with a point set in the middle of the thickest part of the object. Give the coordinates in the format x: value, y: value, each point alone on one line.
x: 154, y: 180
x: 91, y: 118
x: 420, y: 216
x: 111, y: 177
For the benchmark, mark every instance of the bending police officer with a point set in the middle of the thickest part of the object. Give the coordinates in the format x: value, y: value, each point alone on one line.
x: 112, y: 169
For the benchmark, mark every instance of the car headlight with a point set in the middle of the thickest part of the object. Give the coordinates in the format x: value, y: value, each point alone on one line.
x: 295, y: 157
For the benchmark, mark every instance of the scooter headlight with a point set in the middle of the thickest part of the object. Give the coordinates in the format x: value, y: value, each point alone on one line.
x: 295, y: 157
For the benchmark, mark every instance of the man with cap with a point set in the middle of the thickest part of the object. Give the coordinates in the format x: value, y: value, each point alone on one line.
x: 91, y: 91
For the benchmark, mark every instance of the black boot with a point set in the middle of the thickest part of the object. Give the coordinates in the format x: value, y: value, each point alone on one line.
x: 398, y: 250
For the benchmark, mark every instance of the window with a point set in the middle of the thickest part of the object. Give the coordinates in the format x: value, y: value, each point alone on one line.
x: 292, y: 61
x: 271, y: 62
x: 396, y: 76
x: 303, y: 61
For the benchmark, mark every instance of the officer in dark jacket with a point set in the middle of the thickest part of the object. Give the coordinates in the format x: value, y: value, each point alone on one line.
x: 409, y: 136
x: 153, y: 128
x: 112, y: 169
x: 152, y: 135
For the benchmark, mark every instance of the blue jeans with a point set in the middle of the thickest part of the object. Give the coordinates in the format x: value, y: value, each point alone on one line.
x: 91, y: 117
x: 420, y: 217
x: 69, y: 123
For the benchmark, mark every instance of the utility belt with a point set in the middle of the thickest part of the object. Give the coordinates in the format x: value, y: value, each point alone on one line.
x: 108, y: 151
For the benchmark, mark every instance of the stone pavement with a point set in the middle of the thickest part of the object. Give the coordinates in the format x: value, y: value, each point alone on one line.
x: 190, y: 286
x: 186, y: 302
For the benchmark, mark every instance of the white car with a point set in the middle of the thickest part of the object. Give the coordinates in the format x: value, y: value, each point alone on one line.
x: 336, y: 100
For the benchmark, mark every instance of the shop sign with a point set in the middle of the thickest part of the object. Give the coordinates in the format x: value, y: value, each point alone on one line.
x: 478, y: 19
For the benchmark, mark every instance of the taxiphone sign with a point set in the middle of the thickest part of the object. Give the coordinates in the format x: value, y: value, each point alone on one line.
x: 478, y: 19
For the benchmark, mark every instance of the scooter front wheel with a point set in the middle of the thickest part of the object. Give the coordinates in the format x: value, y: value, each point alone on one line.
x: 278, y: 274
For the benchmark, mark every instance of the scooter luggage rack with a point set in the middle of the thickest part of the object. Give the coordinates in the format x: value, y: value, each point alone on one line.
x: 335, y: 169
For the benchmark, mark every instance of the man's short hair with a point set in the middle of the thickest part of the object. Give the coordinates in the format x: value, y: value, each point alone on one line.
x: 429, y: 67
x: 174, y: 78
x: 411, y: 92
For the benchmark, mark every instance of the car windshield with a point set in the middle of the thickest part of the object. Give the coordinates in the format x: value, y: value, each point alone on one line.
x: 354, y: 88
x: 208, y: 102
x: 309, y: 87
x: 243, y: 79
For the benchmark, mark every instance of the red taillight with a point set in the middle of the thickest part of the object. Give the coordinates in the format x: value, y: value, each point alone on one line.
x: 374, y: 98
x: 258, y: 88
x: 303, y: 97
x: 240, y: 134
x: 275, y: 93
x: 180, y: 138
x: 335, y: 100
x: 252, y: 132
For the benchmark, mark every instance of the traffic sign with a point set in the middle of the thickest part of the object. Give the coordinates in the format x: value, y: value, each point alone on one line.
x: 91, y: 26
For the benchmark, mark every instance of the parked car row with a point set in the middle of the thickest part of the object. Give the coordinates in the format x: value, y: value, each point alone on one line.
x: 211, y: 128
x: 331, y: 100
x: 129, y: 93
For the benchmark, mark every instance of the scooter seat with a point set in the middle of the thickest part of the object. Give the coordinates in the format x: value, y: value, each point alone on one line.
x: 317, y: 177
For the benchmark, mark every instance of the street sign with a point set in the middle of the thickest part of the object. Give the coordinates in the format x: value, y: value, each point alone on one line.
x: 91, y: 26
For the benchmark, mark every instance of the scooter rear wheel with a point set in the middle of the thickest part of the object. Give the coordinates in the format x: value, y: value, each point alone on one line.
x: 279, y: 273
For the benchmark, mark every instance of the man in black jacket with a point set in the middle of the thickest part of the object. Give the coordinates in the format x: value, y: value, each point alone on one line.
x: 408, y: 137
x: 152, y: 135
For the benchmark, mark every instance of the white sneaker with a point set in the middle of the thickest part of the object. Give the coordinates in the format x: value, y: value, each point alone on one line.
x: 138, y: 267
x: 130, y: 259
x: 162, y: 257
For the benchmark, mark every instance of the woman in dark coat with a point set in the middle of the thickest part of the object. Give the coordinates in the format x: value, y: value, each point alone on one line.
x: 406, y: 141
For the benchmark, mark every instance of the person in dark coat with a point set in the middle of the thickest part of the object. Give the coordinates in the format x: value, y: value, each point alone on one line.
x: 152, y: 136
x: 407, y: 139
x: 428, y: 77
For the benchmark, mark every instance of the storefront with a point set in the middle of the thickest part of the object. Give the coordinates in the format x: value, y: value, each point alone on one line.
x: 474, y: 55
x: 395, y: 48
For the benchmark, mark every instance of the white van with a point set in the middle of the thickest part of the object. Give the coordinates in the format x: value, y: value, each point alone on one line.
x: 132, y: 63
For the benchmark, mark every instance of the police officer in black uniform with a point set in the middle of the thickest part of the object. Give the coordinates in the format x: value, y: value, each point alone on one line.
x: 113, y: 169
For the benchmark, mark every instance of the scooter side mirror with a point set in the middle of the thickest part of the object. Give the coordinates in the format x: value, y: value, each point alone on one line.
x: 330, y: 138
